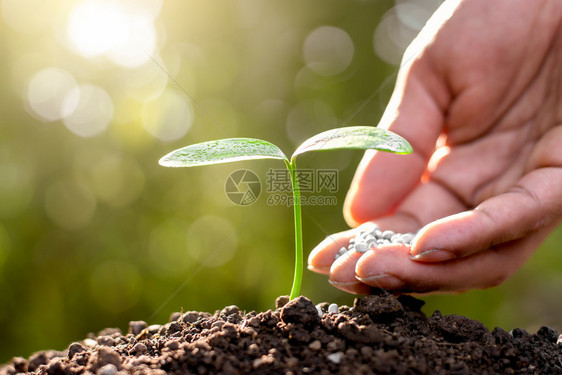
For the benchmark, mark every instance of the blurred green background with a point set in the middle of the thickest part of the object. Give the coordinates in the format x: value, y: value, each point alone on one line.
x: 93, y: 233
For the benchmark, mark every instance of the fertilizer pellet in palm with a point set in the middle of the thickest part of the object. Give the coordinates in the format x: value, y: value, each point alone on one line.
x: 370, y: 236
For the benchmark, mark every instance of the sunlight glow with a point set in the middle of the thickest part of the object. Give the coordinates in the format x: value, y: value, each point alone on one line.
x: 122, y: 31
x: 27, y: 16
x: 92, y: 110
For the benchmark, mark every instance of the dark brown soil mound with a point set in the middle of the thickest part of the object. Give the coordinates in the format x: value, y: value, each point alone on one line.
x: 379, y: 335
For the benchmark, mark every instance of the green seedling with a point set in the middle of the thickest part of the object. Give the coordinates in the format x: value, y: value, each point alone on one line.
x: 236, y: 149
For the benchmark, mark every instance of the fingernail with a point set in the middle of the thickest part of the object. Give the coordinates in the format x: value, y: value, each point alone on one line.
x: 435, y: 255
x: 343, y: 283
x: 319, y: 269
x: 354, y: 287
x: 383, y: 281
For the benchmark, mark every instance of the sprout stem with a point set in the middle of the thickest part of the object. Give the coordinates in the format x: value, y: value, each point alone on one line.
x: 297, y: 279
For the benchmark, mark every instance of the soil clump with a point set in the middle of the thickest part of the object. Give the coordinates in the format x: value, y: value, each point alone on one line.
x: 380, y: 334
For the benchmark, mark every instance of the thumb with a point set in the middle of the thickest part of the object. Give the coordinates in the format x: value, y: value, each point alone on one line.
x: 530, y: 206
x: 415, y: 112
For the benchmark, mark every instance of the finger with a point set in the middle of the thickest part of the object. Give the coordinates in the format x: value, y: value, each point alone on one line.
x: 535, y: 202
x: 342, y: 270
x: 391, y: 268
x: 416, y: 112
x: 342, y: 274
x: 376, y: 190
x: 323, y: 255
x: 428, y: 202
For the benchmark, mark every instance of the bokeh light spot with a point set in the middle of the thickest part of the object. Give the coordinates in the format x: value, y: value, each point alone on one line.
x: 93, y: 110
x: 414, y: 14
x: 328, y: 50
x: 46, y: 93
x: 169, y: 117
x: 212, y: 241
x: 391, y: 38
x: 399, y: 26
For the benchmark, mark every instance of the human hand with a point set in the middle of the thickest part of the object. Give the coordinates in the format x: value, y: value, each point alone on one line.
x: 479, y: 97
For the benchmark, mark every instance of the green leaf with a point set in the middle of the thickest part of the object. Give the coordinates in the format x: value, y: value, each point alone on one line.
x: 356, y: 137
x: 222, y: 151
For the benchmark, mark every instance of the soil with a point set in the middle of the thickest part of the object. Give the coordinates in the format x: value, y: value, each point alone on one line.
x: 380, y: 334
